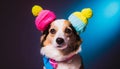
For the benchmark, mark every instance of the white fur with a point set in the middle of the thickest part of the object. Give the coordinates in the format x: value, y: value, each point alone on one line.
x: 51, y: 52
x: 60, y: 33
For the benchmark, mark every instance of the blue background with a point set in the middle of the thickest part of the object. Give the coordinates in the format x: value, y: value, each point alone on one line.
x: 20, y: 39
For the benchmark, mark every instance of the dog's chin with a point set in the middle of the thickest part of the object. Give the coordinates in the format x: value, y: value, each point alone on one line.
x: 61, y: 47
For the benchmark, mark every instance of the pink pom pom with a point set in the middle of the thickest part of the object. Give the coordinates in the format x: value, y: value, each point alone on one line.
x: 44, y: 18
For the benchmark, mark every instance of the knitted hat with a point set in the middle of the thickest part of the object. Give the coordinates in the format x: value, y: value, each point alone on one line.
x: 44, y: 17
x: 79, y: 20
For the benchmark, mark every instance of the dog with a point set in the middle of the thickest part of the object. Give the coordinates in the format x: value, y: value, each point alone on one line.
x: 61, y: 43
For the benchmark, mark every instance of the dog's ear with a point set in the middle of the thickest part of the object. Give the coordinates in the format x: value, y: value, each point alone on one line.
x: 44, y: 35
x: 77, y: 38
x: 76, y: 33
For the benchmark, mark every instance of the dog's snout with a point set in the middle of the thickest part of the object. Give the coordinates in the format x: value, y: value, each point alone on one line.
x: 60, y: 40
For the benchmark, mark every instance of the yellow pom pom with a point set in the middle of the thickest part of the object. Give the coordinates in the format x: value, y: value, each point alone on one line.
x: 80, y: 16
x: 36, y: 9
x: 84, y: 14
x: 87, y: 12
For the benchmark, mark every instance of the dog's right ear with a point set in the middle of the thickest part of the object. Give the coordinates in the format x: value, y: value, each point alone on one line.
x: 44, y: 35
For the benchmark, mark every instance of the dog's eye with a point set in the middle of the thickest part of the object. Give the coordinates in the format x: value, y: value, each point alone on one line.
x: 67, y: 30
x: 52, y: 31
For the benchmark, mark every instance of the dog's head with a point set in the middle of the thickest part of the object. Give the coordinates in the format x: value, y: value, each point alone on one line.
x: 60, y: 38
x: 61, y: 35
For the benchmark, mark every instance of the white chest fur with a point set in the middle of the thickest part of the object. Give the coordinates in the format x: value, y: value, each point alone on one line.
x: 73, y: 63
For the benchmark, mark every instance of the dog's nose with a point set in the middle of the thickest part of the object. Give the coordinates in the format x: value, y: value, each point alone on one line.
x: 60, y: 40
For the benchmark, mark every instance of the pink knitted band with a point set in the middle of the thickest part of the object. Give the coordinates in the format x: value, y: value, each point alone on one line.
x: 44, y: 18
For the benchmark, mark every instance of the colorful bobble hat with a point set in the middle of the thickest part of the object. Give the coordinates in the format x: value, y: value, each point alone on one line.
x: 79, y: 20
x: 44, y: 17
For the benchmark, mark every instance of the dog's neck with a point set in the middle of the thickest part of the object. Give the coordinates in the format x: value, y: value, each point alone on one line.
x: 55, y: 63
x: 53, y: 53
x: 67, y: 59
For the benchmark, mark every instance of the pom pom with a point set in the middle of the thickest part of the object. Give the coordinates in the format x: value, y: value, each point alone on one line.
x: 87, y: 12
x: 36, y: 9
x: 84, y: 15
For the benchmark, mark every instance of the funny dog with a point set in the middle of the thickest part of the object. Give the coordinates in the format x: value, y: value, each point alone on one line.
x: 60, y: 39
x: 60, y: 42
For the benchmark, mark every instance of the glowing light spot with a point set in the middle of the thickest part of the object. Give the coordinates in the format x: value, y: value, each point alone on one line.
x: 111, y: 9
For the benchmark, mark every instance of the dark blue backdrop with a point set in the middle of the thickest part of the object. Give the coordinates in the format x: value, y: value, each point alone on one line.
x: 20, y: 39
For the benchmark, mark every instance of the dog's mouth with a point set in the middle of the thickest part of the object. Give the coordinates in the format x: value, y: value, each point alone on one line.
x: 63, y: 46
